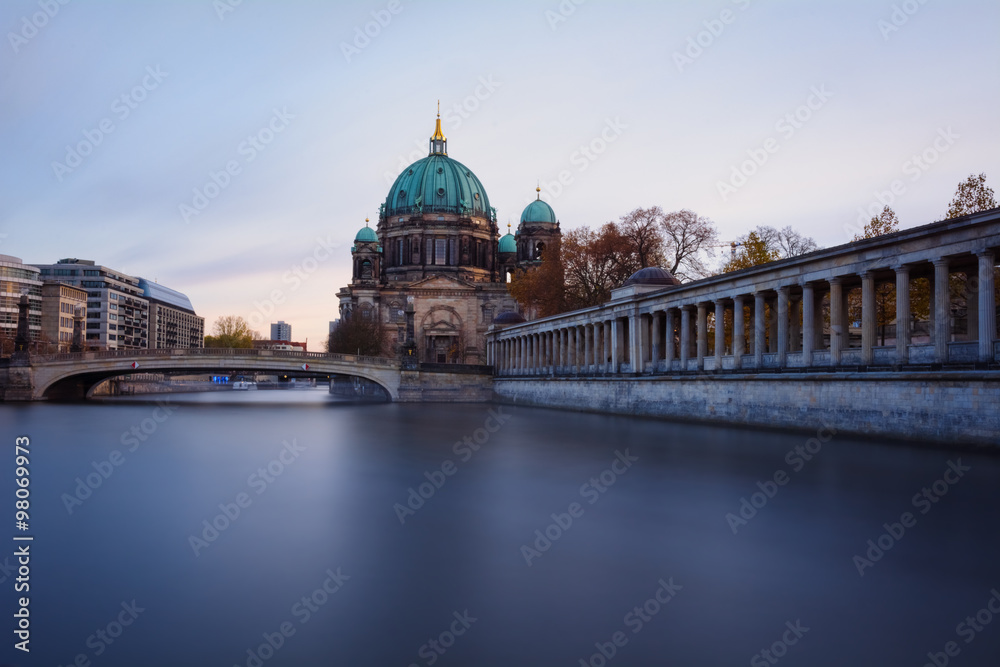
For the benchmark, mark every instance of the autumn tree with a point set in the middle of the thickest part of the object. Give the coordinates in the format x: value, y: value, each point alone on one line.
x: 357, y: 333
x: 885, y: 222
x: 687, y: 239
x: 753, y: 251
x: 641, y: 231
x: 231, y: 331
x: 541, y: 289
x: 972, y: 196
x: 594, y: 263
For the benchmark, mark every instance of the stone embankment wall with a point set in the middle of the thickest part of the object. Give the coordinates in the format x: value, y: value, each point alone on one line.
x: 946, y: 408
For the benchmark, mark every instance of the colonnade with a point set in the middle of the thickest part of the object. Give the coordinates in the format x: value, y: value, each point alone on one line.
x: 808, y: 320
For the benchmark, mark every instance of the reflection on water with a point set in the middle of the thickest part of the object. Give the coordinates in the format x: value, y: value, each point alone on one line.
x: 288, y: 528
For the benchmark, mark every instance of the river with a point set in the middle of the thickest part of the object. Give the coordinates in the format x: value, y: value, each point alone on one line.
x: 288, y: 528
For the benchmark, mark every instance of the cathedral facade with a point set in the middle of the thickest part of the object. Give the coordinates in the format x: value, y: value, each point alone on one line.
x: 437, y: 246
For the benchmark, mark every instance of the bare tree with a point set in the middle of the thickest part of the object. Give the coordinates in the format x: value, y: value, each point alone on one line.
x: 642, y: 229
x: 787, y: 242
x: 688, y: 237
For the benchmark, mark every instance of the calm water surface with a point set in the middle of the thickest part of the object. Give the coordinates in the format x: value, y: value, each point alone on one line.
x: 334, y: 544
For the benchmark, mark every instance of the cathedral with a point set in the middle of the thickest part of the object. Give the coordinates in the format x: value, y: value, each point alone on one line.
x: 437, y: 246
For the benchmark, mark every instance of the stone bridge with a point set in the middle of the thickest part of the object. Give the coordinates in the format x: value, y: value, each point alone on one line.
x: 36, y: 377
x: 75, y: 375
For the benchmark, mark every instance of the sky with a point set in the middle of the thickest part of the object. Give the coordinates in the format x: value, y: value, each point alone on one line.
x: 231, y: 149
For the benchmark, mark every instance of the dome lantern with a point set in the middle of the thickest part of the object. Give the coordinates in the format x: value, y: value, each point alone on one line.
x: 439, y: 143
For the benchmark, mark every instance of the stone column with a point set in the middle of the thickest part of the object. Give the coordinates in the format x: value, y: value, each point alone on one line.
x: 668, y: 340
x: 634, y: 358
x: 654, y: 359
x: 868, y: 322
x: 781, y: 345
x: 987, y: 305
x: 902, y: 314
x: 591, y: 341
x: 720, y: 332
x: 837, y: 333
x: 942, y: 311
x: 606, y: 352
x: 685, y: 336
x: 702, y: 324
x: 795, y: 325
x: 739, y: 341
x: 617, y: 333
x: 759, y: 329
x: 808, y: 323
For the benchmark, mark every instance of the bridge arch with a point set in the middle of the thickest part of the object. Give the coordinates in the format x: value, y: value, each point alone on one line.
x: 73, y: 376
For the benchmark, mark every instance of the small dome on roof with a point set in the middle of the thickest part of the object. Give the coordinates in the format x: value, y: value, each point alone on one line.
x: 508, y: 317
x: 366, y: 235
x: 652, y: 275
x: 507, y: 244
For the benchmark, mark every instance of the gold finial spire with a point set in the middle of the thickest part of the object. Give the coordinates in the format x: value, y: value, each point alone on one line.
x: 508, y: 226
x: 438, y: 134
x: 366, y: 222
x: 538, y: 189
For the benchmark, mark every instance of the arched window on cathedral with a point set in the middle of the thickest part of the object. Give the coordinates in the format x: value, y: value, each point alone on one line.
x: 539, y: 249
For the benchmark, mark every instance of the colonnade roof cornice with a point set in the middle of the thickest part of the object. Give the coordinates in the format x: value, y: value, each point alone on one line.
x: 926, y: 245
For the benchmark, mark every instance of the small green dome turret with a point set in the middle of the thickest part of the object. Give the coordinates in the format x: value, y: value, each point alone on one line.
x: 538, y: 211
x: 507, y: 244
x: 366, y: 234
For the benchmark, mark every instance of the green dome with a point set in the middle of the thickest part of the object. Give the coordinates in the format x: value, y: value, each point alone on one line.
x: 438, y: 184
x: 507, y: 244
x: 366, y: 235
x: 538, y: 211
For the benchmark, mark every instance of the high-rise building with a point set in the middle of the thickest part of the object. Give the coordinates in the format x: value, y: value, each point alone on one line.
x: 173, y: 322
x: 17, y: 278
x: 59, y: 306
x: 117, y: 311
x: 281, y: 331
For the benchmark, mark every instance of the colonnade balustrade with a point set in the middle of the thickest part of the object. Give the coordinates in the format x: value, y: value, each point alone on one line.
x: 921, y: 297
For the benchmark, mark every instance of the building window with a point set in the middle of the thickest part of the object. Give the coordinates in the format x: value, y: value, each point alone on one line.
x: 453, y: 252
x: 440, y: 251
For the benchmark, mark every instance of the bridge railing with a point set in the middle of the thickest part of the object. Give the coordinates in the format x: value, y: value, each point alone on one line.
x: 236, y: 353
